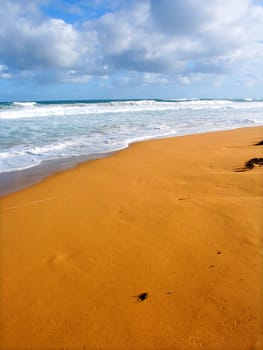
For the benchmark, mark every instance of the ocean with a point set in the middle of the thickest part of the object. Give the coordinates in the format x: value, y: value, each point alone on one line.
x: 39, y: 131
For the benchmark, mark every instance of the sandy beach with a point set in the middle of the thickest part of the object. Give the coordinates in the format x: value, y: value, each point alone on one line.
x: 157, y: 247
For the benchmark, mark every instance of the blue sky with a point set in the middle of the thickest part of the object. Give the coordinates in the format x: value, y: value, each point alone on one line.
x: 80, y: 49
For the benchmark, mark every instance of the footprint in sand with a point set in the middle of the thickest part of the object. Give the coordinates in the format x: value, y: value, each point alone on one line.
x: 58, y: 258
x: 183, y: 198
x: 61, y: 257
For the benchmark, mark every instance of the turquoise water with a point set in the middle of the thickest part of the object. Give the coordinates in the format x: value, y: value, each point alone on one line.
x: 38, y: 131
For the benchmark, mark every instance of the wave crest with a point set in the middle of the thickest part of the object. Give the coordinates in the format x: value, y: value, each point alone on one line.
x: 35, y: 109
x: 25, y: 104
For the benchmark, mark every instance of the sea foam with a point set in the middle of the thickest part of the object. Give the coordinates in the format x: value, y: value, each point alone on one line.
x: 33, y: 132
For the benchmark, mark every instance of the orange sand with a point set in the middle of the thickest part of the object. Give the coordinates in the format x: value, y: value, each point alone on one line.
x: 166, y: 217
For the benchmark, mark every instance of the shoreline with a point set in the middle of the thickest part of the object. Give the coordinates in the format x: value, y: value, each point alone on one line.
x: 13, y: 181
x: 157, y: 247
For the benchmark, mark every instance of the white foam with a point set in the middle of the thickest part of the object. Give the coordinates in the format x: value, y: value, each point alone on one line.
x: 34, y: 110
x: 46, y: 149
x: 25, y: 104
x: 83, y: 129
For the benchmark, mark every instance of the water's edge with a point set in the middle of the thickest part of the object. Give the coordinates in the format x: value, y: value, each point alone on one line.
x: 14, y: 181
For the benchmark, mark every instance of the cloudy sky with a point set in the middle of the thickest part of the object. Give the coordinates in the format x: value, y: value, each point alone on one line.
x: 86, y: 49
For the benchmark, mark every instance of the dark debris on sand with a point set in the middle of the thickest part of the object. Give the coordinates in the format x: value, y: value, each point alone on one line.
x: 250, y: 164
x: 141, y: 297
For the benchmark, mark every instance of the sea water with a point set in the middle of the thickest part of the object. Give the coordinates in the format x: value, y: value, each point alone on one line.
x: 34, y: 132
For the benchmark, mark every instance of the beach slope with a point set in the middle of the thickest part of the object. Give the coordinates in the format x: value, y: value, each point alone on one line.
x: 156, y: 247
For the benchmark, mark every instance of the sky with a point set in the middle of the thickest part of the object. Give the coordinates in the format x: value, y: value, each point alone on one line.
x: 110, y: 49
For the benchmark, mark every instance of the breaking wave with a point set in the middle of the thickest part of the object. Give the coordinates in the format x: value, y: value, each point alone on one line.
x: 34, y: 132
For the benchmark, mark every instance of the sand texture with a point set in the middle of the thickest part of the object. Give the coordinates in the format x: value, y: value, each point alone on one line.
x: 156, y: 247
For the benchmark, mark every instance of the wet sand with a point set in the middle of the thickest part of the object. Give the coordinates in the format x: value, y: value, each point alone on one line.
x: 156, y: 247
x: 14, y: 181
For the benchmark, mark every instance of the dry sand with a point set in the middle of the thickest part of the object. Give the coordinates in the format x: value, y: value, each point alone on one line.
x: 169, y: 218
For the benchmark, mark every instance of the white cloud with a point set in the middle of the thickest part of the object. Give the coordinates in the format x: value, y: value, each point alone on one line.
x: 184, y: 80
x: 160, y: 39
x: 155, y: 78
x: 73, y: 76
x: 27, y: 44
x: 2, y: 68
x: 181, y: 36
x: 4, y: 72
